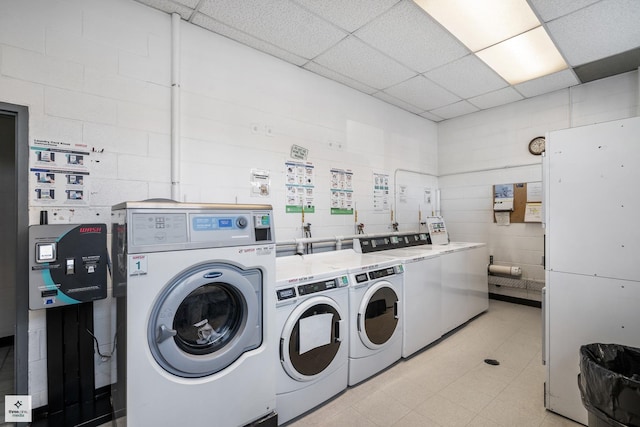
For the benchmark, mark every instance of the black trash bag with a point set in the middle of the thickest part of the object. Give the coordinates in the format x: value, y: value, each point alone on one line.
x: 609, y: 382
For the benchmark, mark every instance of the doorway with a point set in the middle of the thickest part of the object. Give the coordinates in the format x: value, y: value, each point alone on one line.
x: 14, y: 298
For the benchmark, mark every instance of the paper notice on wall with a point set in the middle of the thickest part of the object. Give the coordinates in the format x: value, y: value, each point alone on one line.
x: 315, y: 331
x: 503, y: 218
x: 58, y: 174
x: 299, y: 187
x: 381, y: 192
x: 260, y: 183
x: 341, y: 192
x: 533, y: 212
x: 534, y: 192
x: 503, y: 197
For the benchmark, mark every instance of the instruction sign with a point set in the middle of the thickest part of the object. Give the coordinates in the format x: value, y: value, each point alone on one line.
x: 381, y: 192
x: 300, y: 187
x: 58, y: 174
x: 341, y: 192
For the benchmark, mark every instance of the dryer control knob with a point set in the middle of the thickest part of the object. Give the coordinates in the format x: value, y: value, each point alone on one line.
x: 241, y: 222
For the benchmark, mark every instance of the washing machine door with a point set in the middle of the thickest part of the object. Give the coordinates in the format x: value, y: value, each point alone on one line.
x: 206, y: 318
x: 311, y: 338
x: 378, y: 315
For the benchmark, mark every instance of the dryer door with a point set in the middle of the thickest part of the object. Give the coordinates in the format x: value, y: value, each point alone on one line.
x: 378, y: 315
x: 206, y: 318
x: 311, y: 338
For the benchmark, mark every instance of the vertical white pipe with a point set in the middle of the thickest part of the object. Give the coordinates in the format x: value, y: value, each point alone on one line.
x: 175, y: 107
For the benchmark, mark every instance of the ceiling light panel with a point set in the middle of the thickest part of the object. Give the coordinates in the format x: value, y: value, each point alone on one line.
x: 412, y: 37
x: 356, y: 60
x: 480, y: 24
x: 524, y: 57
x: 349, y: 15
x: 283, y: 23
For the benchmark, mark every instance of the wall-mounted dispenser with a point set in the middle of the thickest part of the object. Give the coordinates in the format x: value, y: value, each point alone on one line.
x: 67, y: 264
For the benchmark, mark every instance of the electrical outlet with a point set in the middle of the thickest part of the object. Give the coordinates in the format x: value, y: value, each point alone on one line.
x: 268, y: 130
x: 255, y: 128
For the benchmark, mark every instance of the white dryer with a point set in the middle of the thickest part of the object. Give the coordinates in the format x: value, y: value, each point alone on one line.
x: 375, y: 307
x: 195, y: 318
x: 422, y: 290
x: 312, y: 320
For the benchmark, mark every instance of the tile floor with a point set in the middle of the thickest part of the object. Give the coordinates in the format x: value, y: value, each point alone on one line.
x: 450, y: 385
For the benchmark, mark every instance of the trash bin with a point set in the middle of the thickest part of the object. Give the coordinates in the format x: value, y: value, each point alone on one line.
x: 609, y: 383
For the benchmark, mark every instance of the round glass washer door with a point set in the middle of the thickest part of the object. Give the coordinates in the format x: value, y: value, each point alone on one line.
x: 205, y: 319
x: 307, y: 364
x: 378, y: 315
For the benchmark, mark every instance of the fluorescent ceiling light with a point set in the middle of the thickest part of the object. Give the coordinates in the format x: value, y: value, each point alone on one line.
x: 524, y: 57
x: 480, y: 24
x: 505, y: 34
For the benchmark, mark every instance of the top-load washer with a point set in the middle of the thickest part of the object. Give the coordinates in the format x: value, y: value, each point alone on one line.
x: 465, y: 287
x: 312, y: 320
x: 375, y: 310
x: 195, y: 320
x: 422, y: 289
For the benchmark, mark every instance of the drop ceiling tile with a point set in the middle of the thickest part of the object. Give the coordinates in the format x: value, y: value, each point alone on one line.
x: 431, y: 116
x: 546, y: 84
x: 398, y: 103
x: 548, y: 10
x: 332, y: 75
x: 422, y: 93
x: 215, y: 26
x: 409, y: 35
x: 349, y: 15
x: 356, y: 60
x: 467, y: 77
x: 493, y: 99
x: 279, y: 22
x: 600, y: 30
x: 169, y: 6
x: 454, y: 110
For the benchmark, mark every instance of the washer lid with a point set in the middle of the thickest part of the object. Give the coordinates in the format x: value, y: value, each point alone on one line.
x: 206, y: 318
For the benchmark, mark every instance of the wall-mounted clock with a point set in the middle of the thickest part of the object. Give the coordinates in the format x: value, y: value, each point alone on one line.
x: 536, y: 145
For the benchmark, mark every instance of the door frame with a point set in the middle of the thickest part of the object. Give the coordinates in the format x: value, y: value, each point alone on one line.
x: 21, y: 340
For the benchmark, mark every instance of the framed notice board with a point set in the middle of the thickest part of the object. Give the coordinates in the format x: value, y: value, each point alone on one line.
x: 515, y: 200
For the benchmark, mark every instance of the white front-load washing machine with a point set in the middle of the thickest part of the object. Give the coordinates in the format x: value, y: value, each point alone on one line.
x: 375, y: 310
x: 312, y: 320
x: 195, y: 318
x: 422, y: 288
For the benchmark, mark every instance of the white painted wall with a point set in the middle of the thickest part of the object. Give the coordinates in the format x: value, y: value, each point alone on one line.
x: 490, y: 147
x: 98, y: 73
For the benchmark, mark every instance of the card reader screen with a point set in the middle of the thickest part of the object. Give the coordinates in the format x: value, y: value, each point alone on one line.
x: 45, y: 252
